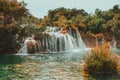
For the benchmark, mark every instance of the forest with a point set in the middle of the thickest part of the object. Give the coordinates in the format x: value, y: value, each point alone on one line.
x: 66, y: 44
x: 16, y: 23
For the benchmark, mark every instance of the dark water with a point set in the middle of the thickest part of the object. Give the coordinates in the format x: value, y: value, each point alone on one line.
x: 53, y: 66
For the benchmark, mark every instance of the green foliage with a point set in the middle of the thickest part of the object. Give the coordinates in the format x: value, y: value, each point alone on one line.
x: 99, y: 22
x: 29, y: 30
x: 11, y: 31
x: 10, y: 21
x: 8, y: 41
x: 54, y: 15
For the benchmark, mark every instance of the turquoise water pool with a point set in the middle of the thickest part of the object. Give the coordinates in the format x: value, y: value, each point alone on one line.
x: 54, y: 66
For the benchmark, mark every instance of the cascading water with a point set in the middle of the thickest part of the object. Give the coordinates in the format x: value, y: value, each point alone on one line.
x: 30, y: 46
x: 55, y: 39
x: 114, y: 46
x: 114, y: 43
x: 96, y: 41
x: 23, y: 49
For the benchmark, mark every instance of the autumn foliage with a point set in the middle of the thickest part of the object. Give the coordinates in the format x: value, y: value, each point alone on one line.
x: 11, y: 12
x: 100, y: 61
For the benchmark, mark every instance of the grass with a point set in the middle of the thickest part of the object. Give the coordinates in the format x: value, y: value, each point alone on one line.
x: 100, y: 61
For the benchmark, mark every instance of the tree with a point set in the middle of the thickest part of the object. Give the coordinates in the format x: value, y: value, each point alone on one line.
x: 61, y: 21
x: 9, y: 10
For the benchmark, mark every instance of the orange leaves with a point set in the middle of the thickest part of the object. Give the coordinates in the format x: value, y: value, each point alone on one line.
x: 10, y: 12
x: 101, y: 61
x: 73, y: 27
x: 95, y: 35
x: 64, y: 31
x: 95, y: 50
x: 104, y: 46
x: 102, y: 50
x: 61, y: 20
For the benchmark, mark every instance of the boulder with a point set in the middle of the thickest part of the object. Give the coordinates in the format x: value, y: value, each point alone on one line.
x: 32, y: 47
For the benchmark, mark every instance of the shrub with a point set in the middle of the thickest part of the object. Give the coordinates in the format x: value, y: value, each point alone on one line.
x: 8, y: 42
x: 100, y: 61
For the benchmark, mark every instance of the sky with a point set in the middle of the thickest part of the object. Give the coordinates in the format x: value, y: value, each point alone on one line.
x: 39, y: 8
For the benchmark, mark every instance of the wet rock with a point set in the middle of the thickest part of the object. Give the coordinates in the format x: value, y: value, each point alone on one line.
x: 32, y: 47
x: 92, y: 40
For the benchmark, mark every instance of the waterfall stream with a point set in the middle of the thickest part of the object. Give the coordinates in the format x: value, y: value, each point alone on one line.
x: 55, y: 39
x: 114, y: 43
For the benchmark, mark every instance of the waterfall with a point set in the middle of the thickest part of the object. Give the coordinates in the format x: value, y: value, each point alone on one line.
x: 30, y: 46
x: 80, y: 41
x: 114, y: 43
x: 55, y: 39
x: 23, y: 49
x: 96, y: 41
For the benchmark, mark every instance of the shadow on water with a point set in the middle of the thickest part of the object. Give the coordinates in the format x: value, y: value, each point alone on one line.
x: 7, y: 65
x: 11, y: 59
x: 103, y: 77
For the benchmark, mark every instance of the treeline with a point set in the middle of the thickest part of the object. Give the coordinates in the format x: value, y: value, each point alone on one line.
x: 16, y: 23
x: 99, y: 22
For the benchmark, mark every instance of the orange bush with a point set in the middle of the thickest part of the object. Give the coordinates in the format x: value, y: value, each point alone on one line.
x: 100, y: 61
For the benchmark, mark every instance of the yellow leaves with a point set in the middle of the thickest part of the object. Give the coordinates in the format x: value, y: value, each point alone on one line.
x: 47, y: 19
x: 79, y: 16
x: 73, y: 27
x: 95, y: 50
x: 102, y: 50
x: 61, y: 20
x: 99, y: 35
x: 11, y: 7
x: 105, y: 46
x: 82, y: 25
x: 118, y: 67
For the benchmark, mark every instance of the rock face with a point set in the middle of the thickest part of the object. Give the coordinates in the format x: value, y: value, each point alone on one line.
x: 64, y: 39
x: 92, y: 40
x: 32, y: 46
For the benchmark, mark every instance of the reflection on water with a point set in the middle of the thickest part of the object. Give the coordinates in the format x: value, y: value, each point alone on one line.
x: 54, y: 66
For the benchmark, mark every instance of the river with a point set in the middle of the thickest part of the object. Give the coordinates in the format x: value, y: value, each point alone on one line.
x: 53, y: 66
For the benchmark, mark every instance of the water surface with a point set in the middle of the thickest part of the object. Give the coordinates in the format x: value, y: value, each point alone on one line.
x: 53, y: 66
